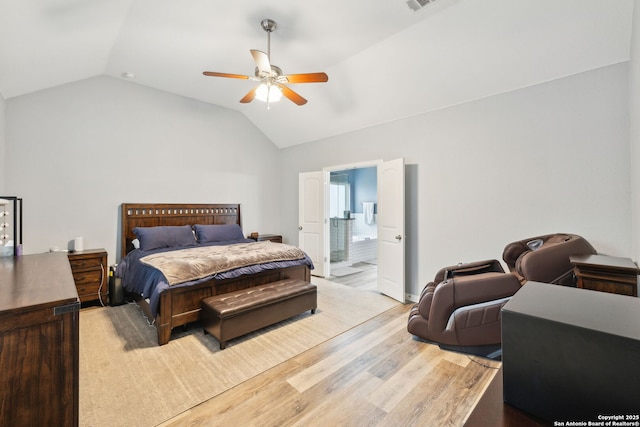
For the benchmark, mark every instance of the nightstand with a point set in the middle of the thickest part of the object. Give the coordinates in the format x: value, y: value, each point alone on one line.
x: 89, y: 268
x: 262, y: 237
x: 606, y: 273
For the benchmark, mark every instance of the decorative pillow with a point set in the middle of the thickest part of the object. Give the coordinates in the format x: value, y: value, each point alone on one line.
x: 218, y: 232
x: 164, y: 237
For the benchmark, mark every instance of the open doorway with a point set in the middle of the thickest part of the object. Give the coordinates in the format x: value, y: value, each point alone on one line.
x: 353, y: 232
x: 388, y: 217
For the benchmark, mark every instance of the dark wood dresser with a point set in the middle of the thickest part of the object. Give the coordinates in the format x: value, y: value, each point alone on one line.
x: 89, y: 269
x: 39, y: 341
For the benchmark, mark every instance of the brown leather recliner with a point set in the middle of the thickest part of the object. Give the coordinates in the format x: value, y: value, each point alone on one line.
x: 462, y: 306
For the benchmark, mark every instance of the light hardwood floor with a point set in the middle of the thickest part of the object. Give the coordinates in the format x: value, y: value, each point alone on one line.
x: 374, y: 374
x: 366, y: 279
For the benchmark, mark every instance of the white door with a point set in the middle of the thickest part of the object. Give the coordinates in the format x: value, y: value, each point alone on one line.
x: 391, y: 229
x: 311, y: 218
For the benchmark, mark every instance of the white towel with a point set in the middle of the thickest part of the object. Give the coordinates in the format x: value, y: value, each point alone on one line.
x: 367, y: 208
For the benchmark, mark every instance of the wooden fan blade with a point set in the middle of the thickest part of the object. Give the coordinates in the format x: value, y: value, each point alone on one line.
x: 307, y: 78
x: 233, y: 76
x: 249, y: 96
x: 291, y: 95
x: 262, y: 60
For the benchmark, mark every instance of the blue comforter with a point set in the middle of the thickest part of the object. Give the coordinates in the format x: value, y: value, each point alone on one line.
x: 149, y: 282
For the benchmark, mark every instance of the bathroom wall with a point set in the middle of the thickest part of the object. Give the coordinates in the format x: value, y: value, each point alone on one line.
x: 363, y: 250
x: 364, y: 243
x: 354, y: 240
x: 362, y: 230
x: 364, y: 187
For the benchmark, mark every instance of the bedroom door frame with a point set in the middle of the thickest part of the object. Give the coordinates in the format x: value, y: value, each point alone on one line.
x: 391, y: 269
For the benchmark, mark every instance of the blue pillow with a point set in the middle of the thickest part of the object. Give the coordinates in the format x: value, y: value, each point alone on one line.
x: 164, y: 237
x: 218, y: 233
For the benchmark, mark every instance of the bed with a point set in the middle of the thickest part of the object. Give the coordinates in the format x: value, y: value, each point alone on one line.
x: 169, y: 306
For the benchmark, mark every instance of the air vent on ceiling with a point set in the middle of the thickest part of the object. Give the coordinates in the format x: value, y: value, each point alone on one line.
x: 416, y: 5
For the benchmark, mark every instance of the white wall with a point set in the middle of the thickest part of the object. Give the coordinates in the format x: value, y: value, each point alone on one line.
x: 3, y: 168
x: 634, y: 108
x: 549, y: 158
x: 78, y: 151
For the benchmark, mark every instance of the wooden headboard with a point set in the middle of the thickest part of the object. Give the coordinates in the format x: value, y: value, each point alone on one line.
x: 159, y: 214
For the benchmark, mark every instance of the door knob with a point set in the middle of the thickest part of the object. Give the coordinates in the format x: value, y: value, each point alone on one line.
x: 300, y: 227
x: 398, y: 237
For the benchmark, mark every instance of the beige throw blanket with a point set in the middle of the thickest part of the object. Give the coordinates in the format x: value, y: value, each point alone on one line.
x: 195, y: 263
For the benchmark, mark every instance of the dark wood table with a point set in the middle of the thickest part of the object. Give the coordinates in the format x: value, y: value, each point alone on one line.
x: 606, y: 273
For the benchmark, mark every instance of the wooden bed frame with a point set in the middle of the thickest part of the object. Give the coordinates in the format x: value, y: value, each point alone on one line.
x: 179, y: 306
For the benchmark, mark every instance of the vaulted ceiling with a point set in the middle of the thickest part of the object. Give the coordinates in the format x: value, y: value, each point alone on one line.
x: 384, y: 60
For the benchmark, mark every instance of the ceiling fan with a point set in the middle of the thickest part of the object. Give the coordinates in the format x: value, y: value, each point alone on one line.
x: 272, y: 81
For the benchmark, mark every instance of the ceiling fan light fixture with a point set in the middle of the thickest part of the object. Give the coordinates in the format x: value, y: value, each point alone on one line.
x: 273, y: 83
x: 268, y: 93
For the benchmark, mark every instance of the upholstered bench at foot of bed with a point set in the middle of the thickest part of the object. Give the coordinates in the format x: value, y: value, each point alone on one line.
x: 230, y: 315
